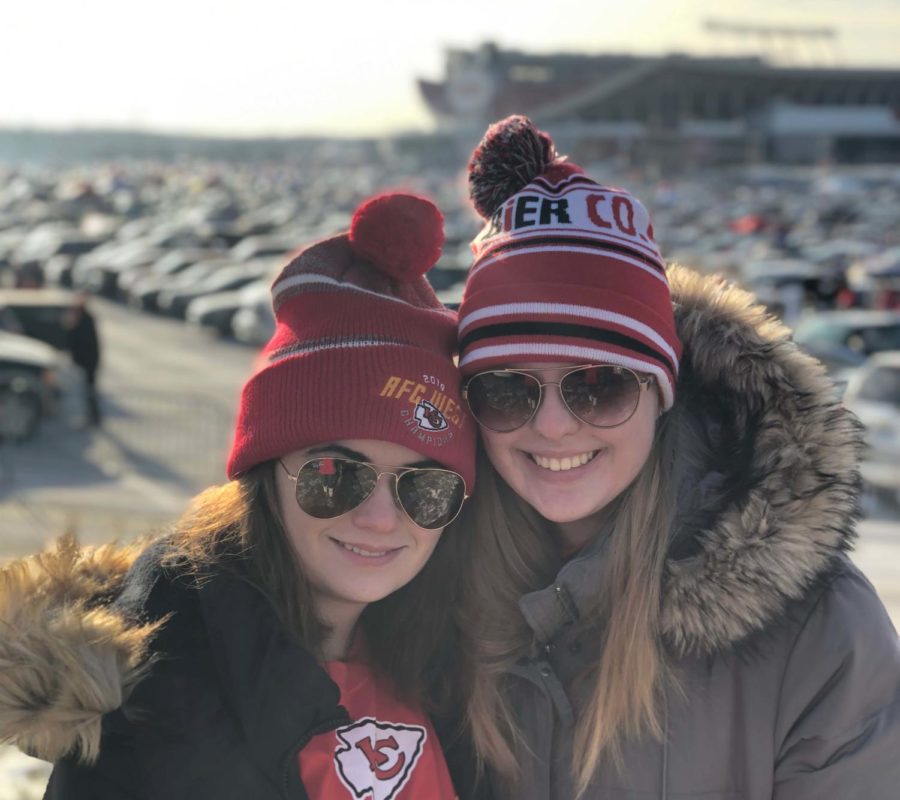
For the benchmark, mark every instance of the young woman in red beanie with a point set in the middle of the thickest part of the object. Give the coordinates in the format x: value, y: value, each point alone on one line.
x: 659, y: 604
x: 291, y: 636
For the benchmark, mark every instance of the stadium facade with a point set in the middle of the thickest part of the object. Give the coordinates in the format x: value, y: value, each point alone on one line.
x: 676, y: 109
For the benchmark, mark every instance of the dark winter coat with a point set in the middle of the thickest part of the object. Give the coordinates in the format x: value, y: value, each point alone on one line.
x: 143, y: 683
x: 83, y: 343
x: 788, y: 665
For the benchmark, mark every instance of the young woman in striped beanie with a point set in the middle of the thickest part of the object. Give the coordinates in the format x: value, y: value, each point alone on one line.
x: 660, y: 604
x: 292, y: 636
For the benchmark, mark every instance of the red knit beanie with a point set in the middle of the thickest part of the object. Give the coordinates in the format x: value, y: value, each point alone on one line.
x: 566, y: 270
x: 362, y: 348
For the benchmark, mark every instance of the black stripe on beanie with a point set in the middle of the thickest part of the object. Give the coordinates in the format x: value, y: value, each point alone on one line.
x: 568, y: 330
x: 581, y: 242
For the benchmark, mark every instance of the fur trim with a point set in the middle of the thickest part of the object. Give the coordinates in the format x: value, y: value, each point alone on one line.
x: 774, y: 474
x: 66, y: 659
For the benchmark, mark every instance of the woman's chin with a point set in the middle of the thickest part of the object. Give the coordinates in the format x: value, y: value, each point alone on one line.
x: 557, y: 505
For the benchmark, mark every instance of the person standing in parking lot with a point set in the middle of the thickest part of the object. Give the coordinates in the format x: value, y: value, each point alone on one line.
x: 83, y: 344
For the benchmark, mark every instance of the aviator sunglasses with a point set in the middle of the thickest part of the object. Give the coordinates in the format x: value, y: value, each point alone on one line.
x: 601, y: 395
x: 328, y: 487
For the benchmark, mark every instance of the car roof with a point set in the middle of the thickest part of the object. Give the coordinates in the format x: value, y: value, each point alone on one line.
x: 25, y: 349
x: 886, y: 358
x: 36, y: 297
x: 856, y: 317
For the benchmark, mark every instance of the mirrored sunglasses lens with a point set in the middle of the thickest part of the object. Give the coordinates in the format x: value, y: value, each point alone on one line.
x: 503, y: 401
x: 329, y: 487
x: 604, y: 396
x: 431, y: 497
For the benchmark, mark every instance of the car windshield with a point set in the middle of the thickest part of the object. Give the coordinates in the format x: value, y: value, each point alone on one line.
x: 874, y: 340
x: 866, y: 339
x: 816, y: 331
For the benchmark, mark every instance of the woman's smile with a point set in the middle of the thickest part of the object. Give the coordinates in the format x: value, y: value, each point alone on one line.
x: 563, y: 463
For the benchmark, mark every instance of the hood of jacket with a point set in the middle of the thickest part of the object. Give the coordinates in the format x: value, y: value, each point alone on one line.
x: 766, y: 479
x: 766, y: 469
x: 67, y: 655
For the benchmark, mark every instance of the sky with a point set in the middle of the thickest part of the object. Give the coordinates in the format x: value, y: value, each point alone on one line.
x: 270, y: 67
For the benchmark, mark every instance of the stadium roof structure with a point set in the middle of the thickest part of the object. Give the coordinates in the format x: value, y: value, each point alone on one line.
x: 657, y: 92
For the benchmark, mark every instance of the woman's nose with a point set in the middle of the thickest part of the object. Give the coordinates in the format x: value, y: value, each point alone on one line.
x: 379, y: 511
x: 553, y: 420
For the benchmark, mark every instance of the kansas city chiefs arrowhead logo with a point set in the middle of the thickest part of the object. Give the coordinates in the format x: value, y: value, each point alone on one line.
x: 429, y: 417
x: 377, y: 758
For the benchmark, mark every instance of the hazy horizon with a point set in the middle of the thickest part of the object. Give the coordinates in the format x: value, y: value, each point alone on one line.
x: 273, y: 69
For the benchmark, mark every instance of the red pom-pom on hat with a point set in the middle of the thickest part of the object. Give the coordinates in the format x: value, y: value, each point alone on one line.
x: 401, y: 234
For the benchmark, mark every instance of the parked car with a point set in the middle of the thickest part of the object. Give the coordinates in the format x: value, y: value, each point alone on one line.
x: 862, y: 331
x: 873, y: 394
x: 216, y: 311
x: 254, y: 324
x: 99, y: 270
x: 10, y: 240
x: 31, y: 383
x: 38, y: 313
x: 253, y: 247
x: 788, y: 286
x: 133, y: 281
x: 52, y: 256
x: 221, y: 280
x: 144, y: 294
x: 840, y: 362
x: 58, y: 270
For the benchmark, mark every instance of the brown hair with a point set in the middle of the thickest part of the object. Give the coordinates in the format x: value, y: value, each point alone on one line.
x: 410, y: 635
x: 514, y: 554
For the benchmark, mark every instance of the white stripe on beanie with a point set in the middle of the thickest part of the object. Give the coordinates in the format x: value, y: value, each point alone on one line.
x: 312, y: 278
x: 305, y: 348
x: 568, y: 310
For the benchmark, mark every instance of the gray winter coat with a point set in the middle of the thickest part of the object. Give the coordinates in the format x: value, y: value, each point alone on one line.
x: 788, y: 664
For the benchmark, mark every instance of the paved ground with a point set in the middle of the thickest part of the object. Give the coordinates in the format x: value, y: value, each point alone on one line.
x: 170, y: 394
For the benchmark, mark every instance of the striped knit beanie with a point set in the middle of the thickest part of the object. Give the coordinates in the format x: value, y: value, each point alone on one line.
x: 362, y: 348
x: 565, y: 270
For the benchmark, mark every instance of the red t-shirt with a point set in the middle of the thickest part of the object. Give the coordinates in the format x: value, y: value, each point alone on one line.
x: 390, y: 751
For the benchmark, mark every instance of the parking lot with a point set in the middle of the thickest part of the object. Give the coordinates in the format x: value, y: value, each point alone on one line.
x: 168, y: 397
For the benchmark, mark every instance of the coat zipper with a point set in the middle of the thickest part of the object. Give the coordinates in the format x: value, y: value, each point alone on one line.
x: 565, y: 600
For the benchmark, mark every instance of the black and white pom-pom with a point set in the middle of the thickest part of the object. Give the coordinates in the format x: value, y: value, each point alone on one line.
x: 512, y: 153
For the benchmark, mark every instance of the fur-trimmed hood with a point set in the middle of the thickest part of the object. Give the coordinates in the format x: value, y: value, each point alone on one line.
x: 767, y: 469
x: 768, y: 484
x: 766, y: 481
x: 67, y: 656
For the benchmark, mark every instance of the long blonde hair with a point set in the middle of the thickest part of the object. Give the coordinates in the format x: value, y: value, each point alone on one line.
x: 514, y: 554
x: 410, y: 635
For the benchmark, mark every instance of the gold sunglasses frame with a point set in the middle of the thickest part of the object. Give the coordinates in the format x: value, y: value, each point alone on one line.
x: 381, y: 469
x: 643, y: 383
